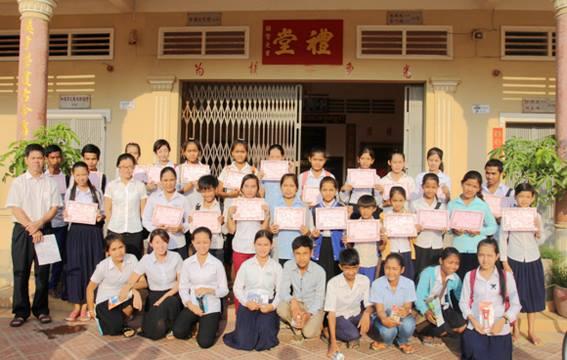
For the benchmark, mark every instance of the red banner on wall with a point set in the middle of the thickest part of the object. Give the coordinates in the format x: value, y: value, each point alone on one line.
x: 304, y: 42
x: 497, y: 137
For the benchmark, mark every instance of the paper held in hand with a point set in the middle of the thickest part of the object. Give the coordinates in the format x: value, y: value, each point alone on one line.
x: 248, y: 209
x: 153, y: 174
x: 140, y: 173
x: 192, y: 173
x: 311, y: 195
x: 233, y: 180
x: 167, y: 216
x: 47, y: 251
x: 289, y: 218
x: 331, y: 218
x: 467, y: 220
x: 81, y: 213
x: 519, y: 219
x: 363, y: 230
x: 400, y: 225
x: 494, y: 203
x: 431, y: 219
x: 208, y: 219
x: 274, y: 169
x: 361, y: 178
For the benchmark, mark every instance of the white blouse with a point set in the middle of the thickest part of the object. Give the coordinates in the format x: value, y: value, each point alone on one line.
x: 209, y: 275
x: 161, y: 275
x: 253, y: 278
x: 126, y: 200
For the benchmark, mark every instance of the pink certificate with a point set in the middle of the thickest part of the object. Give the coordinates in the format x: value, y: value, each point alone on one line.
x: 233, y: 180
x: 208, y: 219
x: 289, y: 218
x: 400, y: 225
x: 363, y: 230
x: 311, y: 195
x: 519, y: 219
x: 389, y: 186
x: 362, y: 178
x: 95, y: 178
x: 140, y: 174
x: 431, y: 219
x: 331, y: 218
x: 249, y: 209
x: 467, y: 220
x: 274, y: 169
x: 167, y: 215
x: 494, y: 203
x: 154, y: 173
x: 81, y: 213
x: 191, y: 173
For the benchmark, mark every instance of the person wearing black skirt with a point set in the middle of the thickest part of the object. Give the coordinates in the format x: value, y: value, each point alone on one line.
x: 84, y: 242
x: 109, y: 276
x: 162, y: 268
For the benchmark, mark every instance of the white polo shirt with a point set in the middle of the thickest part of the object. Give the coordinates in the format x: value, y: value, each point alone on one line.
x: 344, y: 301
x: 111, y: 279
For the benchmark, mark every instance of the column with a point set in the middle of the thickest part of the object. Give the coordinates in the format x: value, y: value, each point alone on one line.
x: 444, y: 113
x: 32, y: 67
x: 161, y: 90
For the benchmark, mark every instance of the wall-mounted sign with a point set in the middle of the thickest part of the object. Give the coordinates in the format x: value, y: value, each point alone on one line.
x: 127, y: 105
x: 540, y: 106
x: 404, y: 17
x: 204, y: 19
x: 74, y: 102
x: 305, y: 42
x: 480, y: 109
x: 497, y: 137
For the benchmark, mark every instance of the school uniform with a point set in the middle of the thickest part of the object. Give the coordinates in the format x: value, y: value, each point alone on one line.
x: 160, y: 166
x: 465, y: 243
x: 272, y: 191
x: 402, y: 246
x: 496, y: 346
x: 161, y: 277
x: 328, y: 246
x: 192, y: 196
x: 35, y: 196
x: 508, y: 199
x: 59, y: 229
x: 308, y: 179
x: 177, y: 241
x: 211, y: 275
x: 429, y: 243
x: 110, y: 280
x: 217, y: 241
x: 284, y: 238
x: 444, y: 180
x: 351, y: 197
x: 405, y: 181
x: 83, y: 249
x: 348, y: 304
x: 431, y: 286
x: 126, y: 218
x: 521, y: 250
x: 308, y: 289
x: 382, y: 293
x: 256, y: 330
x: 97, y: 179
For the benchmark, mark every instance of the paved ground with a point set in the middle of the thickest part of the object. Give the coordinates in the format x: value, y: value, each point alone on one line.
x: 61, y: 341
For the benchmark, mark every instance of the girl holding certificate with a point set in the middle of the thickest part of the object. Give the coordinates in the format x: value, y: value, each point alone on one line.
x: 109, y: 276
x: 435, y: 166
x: 438, y: 294
x: 191, y: 170
x: 312, y: 177
x: 466, y: 241
x: 328, y: 244
x: 161, y: 150
x: 396, y: 177
x: 170, y: 198
x: 401, y: 245
x: 257, y: 288
x: 84, y: 241
x: 519, y: 253
x: 271, y: 188
x: 162, y: 268
x: 350, y: 195
x: 490, y: 304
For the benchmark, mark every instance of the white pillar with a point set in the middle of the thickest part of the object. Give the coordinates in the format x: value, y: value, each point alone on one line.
x: 444, y: 103
x: 161, y: 89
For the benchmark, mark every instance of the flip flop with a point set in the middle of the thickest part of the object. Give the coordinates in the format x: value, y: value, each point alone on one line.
x: 44, y: 319
x: 17, y: 321
x: 377, y: 346
x: 407, y: 349
x: 128, y: 332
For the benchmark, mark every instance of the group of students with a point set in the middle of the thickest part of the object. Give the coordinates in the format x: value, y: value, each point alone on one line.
x: 328, y: 285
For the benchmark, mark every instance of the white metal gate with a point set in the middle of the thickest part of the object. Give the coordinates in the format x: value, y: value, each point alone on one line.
x: 262, y: 114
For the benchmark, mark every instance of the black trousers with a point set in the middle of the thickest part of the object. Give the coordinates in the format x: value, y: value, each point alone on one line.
x: 159, y: 320
x: 23, y: 256
x: 134, y: 243
x: 208, y: 326
x: 111, y: 321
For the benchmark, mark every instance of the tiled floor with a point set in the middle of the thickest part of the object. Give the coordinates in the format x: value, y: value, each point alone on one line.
x: 29, y: 342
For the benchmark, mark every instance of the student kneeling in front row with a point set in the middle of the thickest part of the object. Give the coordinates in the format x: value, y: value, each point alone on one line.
x: 302, y: 291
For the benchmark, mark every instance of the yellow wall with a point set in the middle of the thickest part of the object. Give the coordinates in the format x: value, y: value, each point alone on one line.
x: 473, y: 64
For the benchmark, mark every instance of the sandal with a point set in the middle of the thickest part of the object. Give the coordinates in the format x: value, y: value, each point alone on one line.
x: 407, y: 348
x: 44, y: 318
x: 377, y: 346
x: 85, y: 316
x: 73, y: 315
x: 17, y: 321
x: 128, y: 332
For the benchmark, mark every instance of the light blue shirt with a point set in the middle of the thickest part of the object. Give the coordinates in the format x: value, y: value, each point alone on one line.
x: 382, y: 293
x: 273, y: 192
x: 308, y: 288
x: 286, y: 237
x: 467, y: 243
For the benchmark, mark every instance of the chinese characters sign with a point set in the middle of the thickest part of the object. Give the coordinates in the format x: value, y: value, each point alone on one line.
x: 305, y: 42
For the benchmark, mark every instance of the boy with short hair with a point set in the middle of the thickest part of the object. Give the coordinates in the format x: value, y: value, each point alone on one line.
x: 91, y: 156
x: 347, y: 305
x: 493, y: 171
x: 302, y: 291
x: 33, y: 199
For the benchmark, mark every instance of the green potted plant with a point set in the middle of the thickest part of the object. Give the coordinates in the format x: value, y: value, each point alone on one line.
x: 559, y: 283
x: 13, y: 160
x: 549, y: 256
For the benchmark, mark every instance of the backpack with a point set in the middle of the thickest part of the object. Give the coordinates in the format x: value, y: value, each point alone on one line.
x: 472, y: 280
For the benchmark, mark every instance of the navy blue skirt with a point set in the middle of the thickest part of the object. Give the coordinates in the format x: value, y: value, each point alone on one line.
x: 254, y: 330
x: 475, y: 346
x: 530, y: 283
x: 84, y: 251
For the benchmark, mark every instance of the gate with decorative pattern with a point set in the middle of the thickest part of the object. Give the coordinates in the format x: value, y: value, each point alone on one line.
x: 262, y: 114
